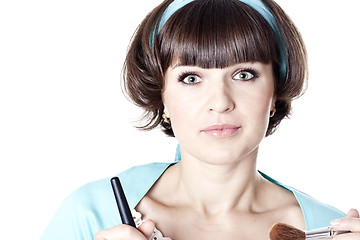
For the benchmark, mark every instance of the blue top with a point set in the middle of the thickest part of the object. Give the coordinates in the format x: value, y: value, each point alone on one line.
x: 92, y: 207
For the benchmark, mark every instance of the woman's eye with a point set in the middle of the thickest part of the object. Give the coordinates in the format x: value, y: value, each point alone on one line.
x: 245, y: 75
x: 190, y: 79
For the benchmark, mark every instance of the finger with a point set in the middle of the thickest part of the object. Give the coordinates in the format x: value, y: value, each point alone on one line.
x: 348, y: 223
x: 353, y: 213
x: 341, y: 224
x: 120, y: 232
x: 347, y: 236
x: 147, y: 228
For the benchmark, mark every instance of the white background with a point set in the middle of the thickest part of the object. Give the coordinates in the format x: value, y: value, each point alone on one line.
x: 65, y: 122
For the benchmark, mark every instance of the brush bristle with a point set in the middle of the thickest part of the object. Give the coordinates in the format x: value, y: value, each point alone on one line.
x: 282, y: 231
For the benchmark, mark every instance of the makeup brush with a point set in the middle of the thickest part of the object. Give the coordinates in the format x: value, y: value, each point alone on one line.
x: 282, y: 231
x: 122, y: 203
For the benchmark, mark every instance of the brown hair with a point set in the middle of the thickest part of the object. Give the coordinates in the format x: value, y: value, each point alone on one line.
x: 211, y: 34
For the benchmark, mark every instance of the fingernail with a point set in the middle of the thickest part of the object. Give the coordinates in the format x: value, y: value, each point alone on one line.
x: 335, y: 222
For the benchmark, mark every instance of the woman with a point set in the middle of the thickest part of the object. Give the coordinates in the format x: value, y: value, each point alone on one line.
x: 219, y: 75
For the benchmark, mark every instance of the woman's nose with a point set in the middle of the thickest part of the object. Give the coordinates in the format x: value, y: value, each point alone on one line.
x: 221, y: 99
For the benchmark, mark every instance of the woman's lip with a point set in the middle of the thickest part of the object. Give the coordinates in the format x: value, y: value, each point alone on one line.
x: 221, y: 130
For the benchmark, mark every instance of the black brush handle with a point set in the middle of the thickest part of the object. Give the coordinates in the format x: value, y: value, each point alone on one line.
x: 122, y: 203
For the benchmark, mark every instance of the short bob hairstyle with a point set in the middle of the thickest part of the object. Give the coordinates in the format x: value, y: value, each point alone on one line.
x: 211, y: 34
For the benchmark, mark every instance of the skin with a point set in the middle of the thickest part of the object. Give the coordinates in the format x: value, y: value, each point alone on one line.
x: 218, y: 98
x: 215, y: 191
x: 351, y: 223
x: 123, y: 232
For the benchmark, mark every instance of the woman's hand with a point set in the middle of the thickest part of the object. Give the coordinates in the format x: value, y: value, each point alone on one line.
x: 350, y: 223
x: 126, y: 232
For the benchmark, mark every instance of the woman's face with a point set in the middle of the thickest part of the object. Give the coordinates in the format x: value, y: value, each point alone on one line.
x: 219, y: 115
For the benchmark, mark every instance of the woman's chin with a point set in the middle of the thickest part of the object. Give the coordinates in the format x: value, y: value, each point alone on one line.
x: 224, y: 158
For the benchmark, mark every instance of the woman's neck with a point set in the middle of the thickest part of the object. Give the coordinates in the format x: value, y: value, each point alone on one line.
x: 216, y: 189
x: 217, y: 200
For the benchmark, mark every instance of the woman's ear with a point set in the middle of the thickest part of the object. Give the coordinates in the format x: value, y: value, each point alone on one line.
x: 166, y: 112
x: 273, y: 101
x: 273, y: 107
x: 166, y: 115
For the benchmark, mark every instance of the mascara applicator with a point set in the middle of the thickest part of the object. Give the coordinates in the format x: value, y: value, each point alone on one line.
x: 282, y: 231
x: 122, y: 203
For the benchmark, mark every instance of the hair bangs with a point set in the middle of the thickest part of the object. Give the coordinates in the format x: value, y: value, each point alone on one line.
x: 216, y: 34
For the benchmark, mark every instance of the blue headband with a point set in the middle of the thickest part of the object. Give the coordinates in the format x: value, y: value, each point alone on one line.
x: 257, y: 5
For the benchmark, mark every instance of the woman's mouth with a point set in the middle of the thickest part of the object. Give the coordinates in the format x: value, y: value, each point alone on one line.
x: 221, y: 130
